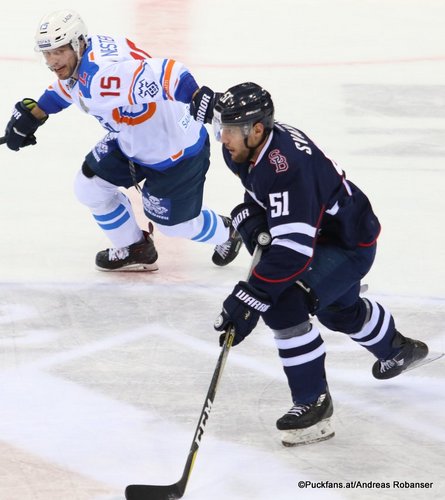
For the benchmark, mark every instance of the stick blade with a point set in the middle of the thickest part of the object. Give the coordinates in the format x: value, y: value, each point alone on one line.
x: 152, y: 492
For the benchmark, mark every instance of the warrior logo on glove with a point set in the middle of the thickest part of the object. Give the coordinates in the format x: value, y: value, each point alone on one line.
x: 251, y: 302
x: 242, y: 310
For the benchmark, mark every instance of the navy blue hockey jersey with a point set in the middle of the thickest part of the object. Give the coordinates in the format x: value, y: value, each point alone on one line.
x: 308, y: 202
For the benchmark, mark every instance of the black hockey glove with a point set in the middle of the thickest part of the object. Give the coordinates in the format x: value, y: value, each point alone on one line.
x: 22, y: 125
x: 250, y: 220
x: 242, y: 310
x: 203, y: 102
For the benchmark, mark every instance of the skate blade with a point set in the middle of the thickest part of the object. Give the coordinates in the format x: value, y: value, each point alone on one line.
x: 318, y: 432
x: 132, y: 268
x: 429, y: 358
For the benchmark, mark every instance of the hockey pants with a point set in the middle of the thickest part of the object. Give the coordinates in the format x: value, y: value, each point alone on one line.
x: 334, y: 278
x: 113, y: 213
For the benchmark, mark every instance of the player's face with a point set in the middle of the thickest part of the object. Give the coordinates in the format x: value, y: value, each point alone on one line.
x: 62, y: 61
x: 233, y: 140
x: 239, y: 143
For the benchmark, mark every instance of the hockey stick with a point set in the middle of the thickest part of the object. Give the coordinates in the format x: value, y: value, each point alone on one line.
x: 2, y: 140
x: 176, y: 490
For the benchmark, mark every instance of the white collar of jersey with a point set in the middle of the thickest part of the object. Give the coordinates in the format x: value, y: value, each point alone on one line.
x: 263, y: 150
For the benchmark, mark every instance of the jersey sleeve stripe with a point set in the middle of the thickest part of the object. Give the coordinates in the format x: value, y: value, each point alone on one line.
x: 304, y: 265
x: 165, y: 82
x: 136, y: 75
x: 296, y: 247
x: 295, y: 227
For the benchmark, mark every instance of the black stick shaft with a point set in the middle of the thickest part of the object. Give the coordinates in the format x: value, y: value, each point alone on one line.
x: 176, y: 490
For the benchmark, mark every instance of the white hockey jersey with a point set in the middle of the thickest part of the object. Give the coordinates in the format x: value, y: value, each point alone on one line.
x: 144, y: 101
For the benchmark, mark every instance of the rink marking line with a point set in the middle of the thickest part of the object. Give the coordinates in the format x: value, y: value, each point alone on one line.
x: 91, y: 348
x: 206, y: 347
x: 242, y: 360
x: 209, y: 348
x: 397, y: 300
x: 65, y: 410
x: 77, y: 445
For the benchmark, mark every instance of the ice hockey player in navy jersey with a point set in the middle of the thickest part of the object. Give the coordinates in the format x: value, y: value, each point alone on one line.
x: 153, y: 112
x: 323, y: 242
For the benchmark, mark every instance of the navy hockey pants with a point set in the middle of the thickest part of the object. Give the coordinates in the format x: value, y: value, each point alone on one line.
x: 334, y: 277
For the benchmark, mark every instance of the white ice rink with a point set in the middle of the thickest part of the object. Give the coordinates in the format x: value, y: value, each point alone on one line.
x: 102, y: 376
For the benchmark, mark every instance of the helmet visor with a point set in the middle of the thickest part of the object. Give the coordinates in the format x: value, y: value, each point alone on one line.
x: 229, y: 129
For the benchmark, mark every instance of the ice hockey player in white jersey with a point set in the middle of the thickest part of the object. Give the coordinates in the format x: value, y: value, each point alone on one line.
x: 153, y: 111
x: 323, y: 242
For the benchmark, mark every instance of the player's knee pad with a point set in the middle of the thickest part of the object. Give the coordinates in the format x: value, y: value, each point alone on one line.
x: 93, y: 191
x: 293, y: 331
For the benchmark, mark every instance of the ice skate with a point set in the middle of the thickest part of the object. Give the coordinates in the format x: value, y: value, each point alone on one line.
x: 411, y: 351
x: 226, y: 252
x: 307, y: 423
x: 140, y: 256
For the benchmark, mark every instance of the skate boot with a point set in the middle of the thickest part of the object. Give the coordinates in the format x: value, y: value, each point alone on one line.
x: 227, y: 251
x: 140, y: 256
x: 307, y: 423
x: 410, y: 352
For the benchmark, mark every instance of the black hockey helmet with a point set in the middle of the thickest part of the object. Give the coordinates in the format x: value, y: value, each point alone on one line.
x: 245, y: 104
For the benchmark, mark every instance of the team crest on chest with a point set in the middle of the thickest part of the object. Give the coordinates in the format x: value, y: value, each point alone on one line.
x: 278, y: 160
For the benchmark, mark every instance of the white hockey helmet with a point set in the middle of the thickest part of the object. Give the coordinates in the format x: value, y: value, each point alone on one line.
x: 60, y: 28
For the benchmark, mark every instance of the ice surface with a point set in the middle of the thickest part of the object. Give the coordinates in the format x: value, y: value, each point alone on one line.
x: 103, y: 376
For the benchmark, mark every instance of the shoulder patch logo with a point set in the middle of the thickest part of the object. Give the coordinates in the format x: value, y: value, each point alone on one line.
x: 278, y: 160
x: 145, y: 88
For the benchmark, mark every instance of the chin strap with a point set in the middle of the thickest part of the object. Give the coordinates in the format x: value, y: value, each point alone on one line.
x: 75, y: 76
